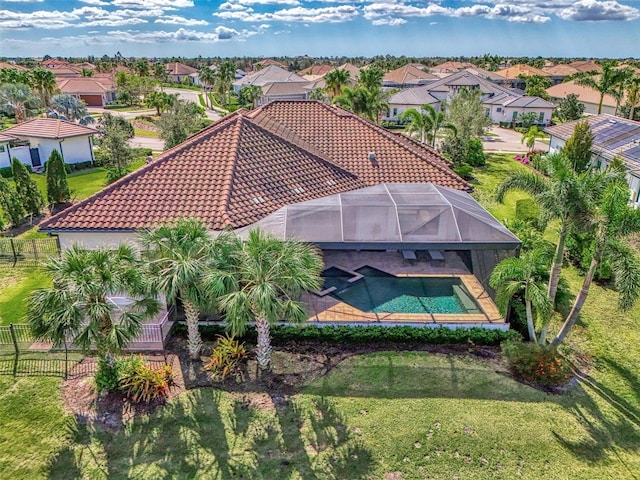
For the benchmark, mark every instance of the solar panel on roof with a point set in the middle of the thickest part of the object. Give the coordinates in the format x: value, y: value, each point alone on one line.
x: 633, y: 154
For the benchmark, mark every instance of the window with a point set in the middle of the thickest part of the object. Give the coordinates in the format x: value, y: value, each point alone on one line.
x: 395, y: 112
x: 1, y: 148
x: 498, y: 109
x: 515, y: 115
x: 541, y: 117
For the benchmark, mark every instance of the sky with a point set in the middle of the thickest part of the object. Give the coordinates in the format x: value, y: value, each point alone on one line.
x: 332, y: 28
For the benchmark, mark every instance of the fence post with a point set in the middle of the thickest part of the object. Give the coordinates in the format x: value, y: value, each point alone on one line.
x: 13, y: 337
x: 35, y: 249
x: 15, y: 255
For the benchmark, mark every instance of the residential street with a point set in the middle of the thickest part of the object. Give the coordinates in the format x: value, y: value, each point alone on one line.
x: 508, y: 141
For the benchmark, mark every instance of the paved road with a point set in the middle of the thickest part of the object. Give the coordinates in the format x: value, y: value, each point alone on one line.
x: 155, y: 144
x: 508, y: 141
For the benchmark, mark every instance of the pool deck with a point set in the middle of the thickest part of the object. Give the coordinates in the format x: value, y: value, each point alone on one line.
x: 327, y: 309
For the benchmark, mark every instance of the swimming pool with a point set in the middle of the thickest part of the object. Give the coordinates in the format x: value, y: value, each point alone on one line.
x: 380, y: 292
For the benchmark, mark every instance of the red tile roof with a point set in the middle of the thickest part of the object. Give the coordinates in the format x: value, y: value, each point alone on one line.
x: 85, y: 85
x: 316, y: 70
x: 175, y: 68
x: 48, y: 128
x: 13, y: 65
x: 246, y: 166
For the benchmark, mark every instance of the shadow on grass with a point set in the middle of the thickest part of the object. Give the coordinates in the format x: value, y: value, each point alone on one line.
x: 207, y: 433
x: 609, y: 431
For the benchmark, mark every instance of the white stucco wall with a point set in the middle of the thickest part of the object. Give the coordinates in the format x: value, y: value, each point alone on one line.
x: 74, y: 149
x: 507, y: 114
x: 21, y: 153
x: 93, y: 240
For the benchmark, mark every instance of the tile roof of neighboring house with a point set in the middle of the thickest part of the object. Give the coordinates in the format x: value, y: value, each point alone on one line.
x: 586, y: 66
x: 250, y: 164
x: 413, y: 96
x: 176, y: 68
x: 67, y: 71
x: 354, y: 72
x: 84, y: 85
x: 613, y: 137
x: 285, y: 88
x: 6, y: 137
x: 266, y: 62
x: 481, y: 72
x: 270, y: 74
x: 407, y: 75
x: 12, y: 65
x: 451, y: 67
x: 53, y: 63
x: 521, y: 69
x: 48, y: 128
x: 585, y: 94
x: 465, y: 78
x: 561, y: 70
x: 316, y: 70
x: 526, y: 101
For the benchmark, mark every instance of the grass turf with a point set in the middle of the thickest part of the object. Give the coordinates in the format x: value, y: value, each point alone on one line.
x: 17, y: 284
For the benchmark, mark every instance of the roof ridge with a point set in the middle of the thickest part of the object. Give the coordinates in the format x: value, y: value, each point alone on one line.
x: 163, y: 158
x: 394, y: 138
x: 225, y: 192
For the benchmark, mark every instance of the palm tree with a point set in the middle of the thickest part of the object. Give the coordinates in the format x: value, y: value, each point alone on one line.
x: 70, y: 108
x: 44, y: 81
x: 336, y: 81
x: 633, y: 94
x: 529, y: 138
x: 17, y: 99
x: 160, y: 73
x: 371, y: 78
x: 79, y: 306
x: 207, y: 78
x: 608, y: 82
x: 614, y: 221
x: 369, y: 104
x: 524, y: 276
x: 419, y: 123
x: 562, y: 194
x: 270, y: 276
x: 181, y: 254
x: 225, y: 76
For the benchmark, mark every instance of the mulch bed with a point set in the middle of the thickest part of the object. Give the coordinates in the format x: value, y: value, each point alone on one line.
x: 294, y: 365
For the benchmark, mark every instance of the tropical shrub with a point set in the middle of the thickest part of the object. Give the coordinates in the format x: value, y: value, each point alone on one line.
x: 226, y: 357
x: 106, y: 375
x: 542, y: 365
x: 465, y: 171
x: 141, y: 383
x: 475, y: 153
x: 580, y: 247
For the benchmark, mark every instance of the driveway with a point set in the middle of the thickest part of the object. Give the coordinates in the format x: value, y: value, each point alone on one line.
x: 508, y: 141
x: 192, y: 96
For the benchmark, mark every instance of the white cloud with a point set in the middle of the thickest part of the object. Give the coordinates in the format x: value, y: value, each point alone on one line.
x: 48, y: 20
x: 178, y: 20
x: 95, y: 2
x: 343, y: 13
x: 595, y: 11
x: 393, y: 22
x: 23, y: 1
x: 164, y: 4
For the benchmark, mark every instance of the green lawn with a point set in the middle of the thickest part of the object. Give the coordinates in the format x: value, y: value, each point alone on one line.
x: 401, y: 415
x: 17, y: 284
x: 146, y: 133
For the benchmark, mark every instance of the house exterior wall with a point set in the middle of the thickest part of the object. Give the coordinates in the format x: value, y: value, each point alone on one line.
x: 94, y: 239
x: 21, y: 153
x: 74, y: 149
x: 397, y: 109
x: 507, y: 114
x: 555, y: 144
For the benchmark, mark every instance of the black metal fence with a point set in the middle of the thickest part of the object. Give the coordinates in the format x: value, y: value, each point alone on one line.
x: 27, y: 252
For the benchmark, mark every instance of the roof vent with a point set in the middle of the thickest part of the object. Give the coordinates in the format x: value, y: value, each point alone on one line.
x: 611, y: 120
x: 372, y: 159
x: 257, y: 200
x: 330, y: 183
x: 298, y: 190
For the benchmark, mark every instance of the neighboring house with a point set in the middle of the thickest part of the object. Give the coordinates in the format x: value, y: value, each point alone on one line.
x: 316, y: 71
x: 502, y: 104
x: 513, y: 73
x: 13, y: 65
x: 95, y: 92
x: 176, y: 71
x: 447, y: 68
x: 266, y: 76
x: 283, y: 91
x: 54, y: 63
x: 32, y: 142
x: 558, y: 73
x: 281, y: 167
x: 613, y: 137
x: 587, y: 96
x: 268, y: 62
x: 586, y: 66
x: 407, y: 77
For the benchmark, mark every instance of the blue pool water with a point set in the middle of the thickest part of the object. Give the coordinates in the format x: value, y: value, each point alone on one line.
x: 379, y: 292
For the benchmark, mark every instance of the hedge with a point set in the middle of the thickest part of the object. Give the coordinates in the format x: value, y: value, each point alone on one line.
x: 7, y: 172
x: 369, y: 334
